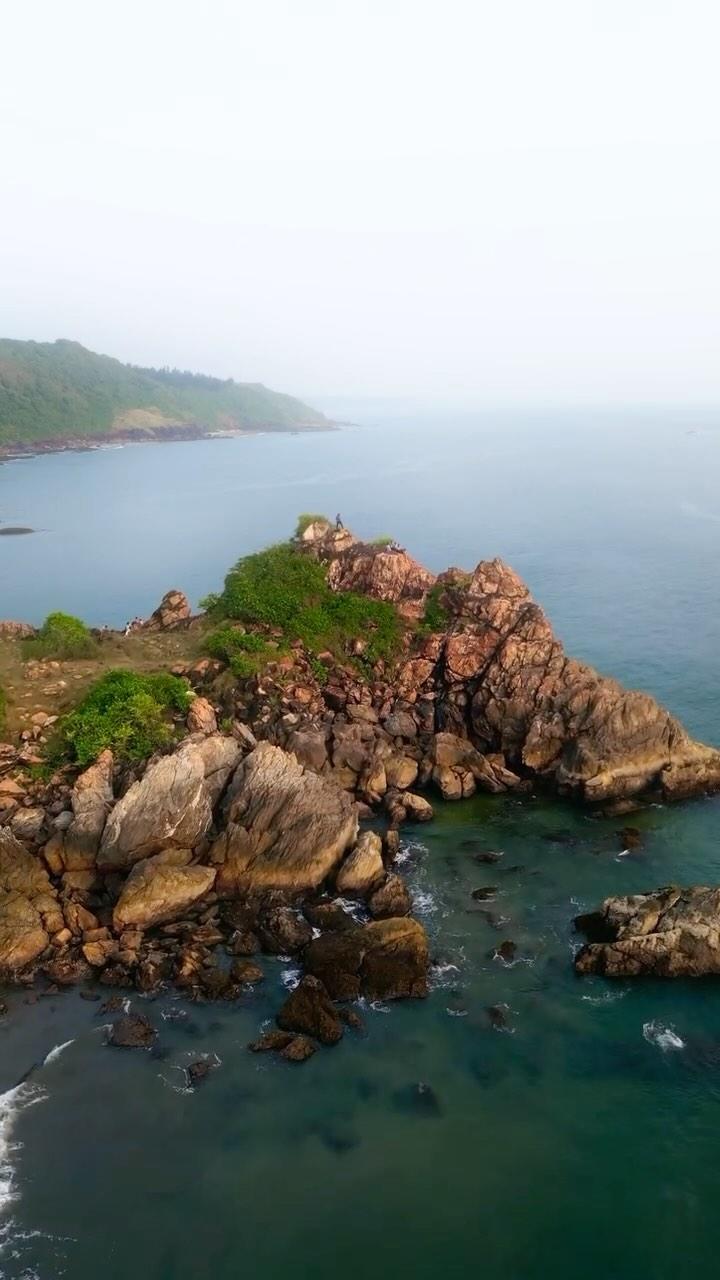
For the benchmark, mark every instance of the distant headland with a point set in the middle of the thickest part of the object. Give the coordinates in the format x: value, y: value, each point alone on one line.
x: 58, y: 395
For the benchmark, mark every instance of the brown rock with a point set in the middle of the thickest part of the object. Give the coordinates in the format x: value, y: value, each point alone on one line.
x: 271, y: 1042
x: 92, y: 799
x: 391, y: 899
x: 22, y: 936
x: 99, y: 953
x: 283, y: 931
x: 174, y: 609
x: 670, y: 933
x: 363, y: 868
x: 384, y: 960
x: 135, y: 1031
x: 299, y: 1049
x: 201, y: 717
x: 27, y: 824
x: 16, y: 630
x: 309, y: 1010
x: 246, y: 972
x: 158, y: 890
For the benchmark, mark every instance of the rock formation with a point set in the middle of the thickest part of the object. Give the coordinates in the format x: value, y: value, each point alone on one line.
x: 287, y: 828
x: 174, y: 609
x: 669, y: 933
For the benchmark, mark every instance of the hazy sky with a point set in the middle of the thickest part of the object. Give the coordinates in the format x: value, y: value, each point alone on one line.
x: 480, y: 200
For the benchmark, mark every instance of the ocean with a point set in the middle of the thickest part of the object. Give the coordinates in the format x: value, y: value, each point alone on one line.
x: 578, y: 1137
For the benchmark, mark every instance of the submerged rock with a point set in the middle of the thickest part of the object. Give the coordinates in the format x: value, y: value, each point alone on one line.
x: 309, y: 1010
x: 418, y: 1099
x: 134, y: 1031
x: 672, y: 932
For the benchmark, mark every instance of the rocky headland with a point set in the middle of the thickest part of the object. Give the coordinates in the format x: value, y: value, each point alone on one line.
x: 270, y: 819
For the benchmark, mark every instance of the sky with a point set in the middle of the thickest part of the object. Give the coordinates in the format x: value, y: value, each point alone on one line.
x: 463, y: 201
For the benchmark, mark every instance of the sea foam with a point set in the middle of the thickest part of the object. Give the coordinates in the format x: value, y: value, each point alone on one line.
x: 665, y: 1037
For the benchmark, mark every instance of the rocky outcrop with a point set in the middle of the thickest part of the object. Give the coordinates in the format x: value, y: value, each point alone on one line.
x: 171, y: 806
x: 669, y: 933
x: 174, y: 609
x: 384, y: 960
x: 16, y: 630
x: 497, y: 677
x: 287, y: 828
x: 384, y: 572
x: 161, y: 889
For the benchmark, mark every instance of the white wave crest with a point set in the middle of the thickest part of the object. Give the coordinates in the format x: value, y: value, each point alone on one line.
x: 665, y: 1037
x: 290, y: 978
x: 55, y: 1052
x: 12, y: 1103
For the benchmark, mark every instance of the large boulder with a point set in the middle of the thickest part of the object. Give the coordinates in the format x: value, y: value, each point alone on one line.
x: 384, y: 960
x: 161, y: 889
x: 287, y: 828
x: 670, y: 933
x: 174, y: 608
x: 22, y: 935
x: 363, y: 869
x: 28, y: 906
x: 171, y: 806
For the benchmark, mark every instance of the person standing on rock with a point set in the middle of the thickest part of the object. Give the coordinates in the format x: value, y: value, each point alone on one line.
x: 338, y: 521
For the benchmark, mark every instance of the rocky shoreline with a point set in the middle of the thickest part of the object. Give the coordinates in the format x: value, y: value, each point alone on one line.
x: 121, y: 436
x: 253, y: 837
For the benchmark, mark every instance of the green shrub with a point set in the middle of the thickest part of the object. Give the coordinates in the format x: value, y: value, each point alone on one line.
x: 246, y: 653
x: 284, y: 588
x: 436, y: 616
x: 305, y: 520
x: 61, y: 636
x: 129, y: 713
x: 382, y: 540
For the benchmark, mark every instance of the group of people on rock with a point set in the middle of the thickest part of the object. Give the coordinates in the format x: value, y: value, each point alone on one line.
x: 135, y: 625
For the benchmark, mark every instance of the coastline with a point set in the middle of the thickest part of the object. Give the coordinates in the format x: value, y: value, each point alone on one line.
x: 145, y: 435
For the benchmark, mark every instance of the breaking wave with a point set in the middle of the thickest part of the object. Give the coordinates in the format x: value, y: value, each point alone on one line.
x: 665, y: 1037
x: 55, y: 1052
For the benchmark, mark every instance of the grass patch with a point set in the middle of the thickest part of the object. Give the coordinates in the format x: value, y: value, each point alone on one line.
x: 61, y: 636
x: 3, y: 708
x: 436, y: 616
x: 129, y: 713
x: 283, y: 588
x: 306, y: 519
x: 382, y: 540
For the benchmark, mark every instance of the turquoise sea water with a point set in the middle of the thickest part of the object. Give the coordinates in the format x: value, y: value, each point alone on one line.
x: 582, y: 1138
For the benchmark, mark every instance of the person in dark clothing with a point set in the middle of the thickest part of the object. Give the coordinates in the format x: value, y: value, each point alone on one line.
x: 338, y: 521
